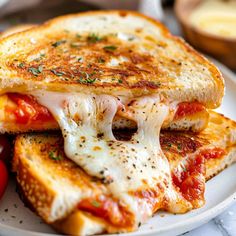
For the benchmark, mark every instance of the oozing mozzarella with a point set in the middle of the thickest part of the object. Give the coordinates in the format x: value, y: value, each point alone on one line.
x: 126, y: 167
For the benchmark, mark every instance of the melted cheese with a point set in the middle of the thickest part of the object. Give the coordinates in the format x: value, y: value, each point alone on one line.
x: 125, y: 166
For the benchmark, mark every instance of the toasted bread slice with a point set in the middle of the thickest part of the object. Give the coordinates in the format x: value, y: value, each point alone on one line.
x: 220, y: 133
x: 52, y: 184
x: 55, y: 194
x: 16, y: 29
x: 107, y: 52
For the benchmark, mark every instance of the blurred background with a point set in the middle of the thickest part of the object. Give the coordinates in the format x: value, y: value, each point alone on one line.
x: 208, y: 25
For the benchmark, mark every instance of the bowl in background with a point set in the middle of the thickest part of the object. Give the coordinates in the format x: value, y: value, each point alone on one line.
x: 222, y: 48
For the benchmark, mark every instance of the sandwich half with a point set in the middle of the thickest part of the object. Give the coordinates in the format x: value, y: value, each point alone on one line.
x: 77, y: 203
x: 117, y: 53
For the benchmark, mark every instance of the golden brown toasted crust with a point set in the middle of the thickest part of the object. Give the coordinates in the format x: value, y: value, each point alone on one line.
x: 215, y: 166
x: 16, y: 29
x: 33, y: 186
x: 99, y: 59
x: 14, y: 128
x: 220, y: 133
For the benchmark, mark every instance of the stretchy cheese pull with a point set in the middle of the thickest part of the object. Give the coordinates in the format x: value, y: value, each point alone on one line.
x: 128, y: 168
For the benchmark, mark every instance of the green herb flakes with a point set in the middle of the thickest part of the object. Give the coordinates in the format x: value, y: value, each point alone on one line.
x: 169, y: 145
x: 96, y: 203
x: 179, y: 146
x: 36, y: 71
x: 58, y: 73
x: 87, y: 80
x: 21, y: 65
x: 55, y: 157
x: 58, y: 43
x: 110, y: 48
x: 101, y: 60
x: 131, y: 38
x: 94, y: 38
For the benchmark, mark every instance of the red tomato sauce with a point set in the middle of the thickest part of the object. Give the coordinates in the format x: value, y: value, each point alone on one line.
x: 191, y: 181
x: 109, y: 210
x: 188, y: 108
x: 28, y: 109
x: 212, y: 153
x: 3, y: 178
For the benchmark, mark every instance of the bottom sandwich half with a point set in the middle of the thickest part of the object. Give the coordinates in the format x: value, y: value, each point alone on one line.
x: 51, y: 184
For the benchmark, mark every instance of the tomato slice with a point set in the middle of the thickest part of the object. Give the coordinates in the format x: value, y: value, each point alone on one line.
x: 5, y: 148
x: 212, y: 153
x: 3, y: 178
x: 191, y: 181
x: 107, y: 209
x: 188, y: 108
x: 28, y: 109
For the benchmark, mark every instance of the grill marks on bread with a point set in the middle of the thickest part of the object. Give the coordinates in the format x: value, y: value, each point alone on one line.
x: 91, y: 59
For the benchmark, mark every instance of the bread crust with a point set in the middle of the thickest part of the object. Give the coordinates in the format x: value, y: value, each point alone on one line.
x: 34, y: 188
x: 16, y: 29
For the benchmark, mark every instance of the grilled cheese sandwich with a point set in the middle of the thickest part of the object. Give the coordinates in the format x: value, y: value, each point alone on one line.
x: 80, y: 73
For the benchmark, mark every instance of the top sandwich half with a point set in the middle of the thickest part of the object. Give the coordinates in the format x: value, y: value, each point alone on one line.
x: 119, y: 53
x: 108, y: 52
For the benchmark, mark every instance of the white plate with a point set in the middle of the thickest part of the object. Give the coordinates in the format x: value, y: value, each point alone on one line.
x: 15, y: 219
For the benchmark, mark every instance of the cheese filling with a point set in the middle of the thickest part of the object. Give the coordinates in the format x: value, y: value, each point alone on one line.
x: 126, y: 167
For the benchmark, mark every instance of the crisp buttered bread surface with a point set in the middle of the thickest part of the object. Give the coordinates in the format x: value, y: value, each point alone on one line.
x: 113, y: 52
